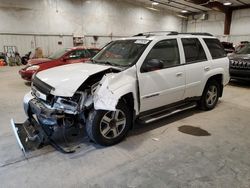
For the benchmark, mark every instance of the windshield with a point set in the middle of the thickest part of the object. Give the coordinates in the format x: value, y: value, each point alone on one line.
x: 244, y: 50
x: 122, y: 52
x: 58, y: 53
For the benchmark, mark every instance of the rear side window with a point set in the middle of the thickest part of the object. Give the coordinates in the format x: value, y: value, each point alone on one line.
x: 193, y: 50
x: 215, y: 47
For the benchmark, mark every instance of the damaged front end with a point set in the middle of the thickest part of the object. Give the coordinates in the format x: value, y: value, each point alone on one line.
x: 54, y: 119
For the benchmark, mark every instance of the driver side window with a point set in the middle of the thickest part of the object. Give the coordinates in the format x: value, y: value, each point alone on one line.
x: 77, y: 54
x: 167, y: 52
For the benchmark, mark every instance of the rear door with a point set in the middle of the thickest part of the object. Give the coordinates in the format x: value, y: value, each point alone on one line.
x: 166, y: 85
x: 196, y: 64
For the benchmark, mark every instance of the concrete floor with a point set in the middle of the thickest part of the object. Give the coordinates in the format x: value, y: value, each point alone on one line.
x: 155, y: 155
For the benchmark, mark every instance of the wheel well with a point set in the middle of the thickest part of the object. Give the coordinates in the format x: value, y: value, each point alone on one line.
x: 129, y: 100
x: 219, y: 79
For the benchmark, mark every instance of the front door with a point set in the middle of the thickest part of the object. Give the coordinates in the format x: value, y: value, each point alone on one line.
x: 159, y: 87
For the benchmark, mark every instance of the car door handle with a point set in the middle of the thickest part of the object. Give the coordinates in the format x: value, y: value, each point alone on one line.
x: 178, y: 74
x: 207, y: 68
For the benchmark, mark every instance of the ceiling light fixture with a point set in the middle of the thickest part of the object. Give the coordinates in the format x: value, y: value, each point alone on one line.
x: 184, y: 11
x: 155, y: 3
x: 227, y: 3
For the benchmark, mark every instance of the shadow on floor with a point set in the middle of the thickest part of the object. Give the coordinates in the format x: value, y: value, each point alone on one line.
x: 195, y: 131
x: 240, y: 83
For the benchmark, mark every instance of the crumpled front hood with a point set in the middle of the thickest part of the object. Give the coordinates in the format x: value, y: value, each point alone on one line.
x: 68, y: 78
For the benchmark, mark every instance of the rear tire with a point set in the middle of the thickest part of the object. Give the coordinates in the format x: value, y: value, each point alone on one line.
x: 210, y: 95
x: 107, y: 128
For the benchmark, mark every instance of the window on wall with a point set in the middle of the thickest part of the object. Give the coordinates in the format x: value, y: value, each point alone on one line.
x: 193, y: 50
x: 166, y: 51
x: 215, y: 47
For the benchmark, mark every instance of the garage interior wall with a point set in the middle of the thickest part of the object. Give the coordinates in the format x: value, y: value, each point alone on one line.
x: 240, y: 27
x: 43, y: 23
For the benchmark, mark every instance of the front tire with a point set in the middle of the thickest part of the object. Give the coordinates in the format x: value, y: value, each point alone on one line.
x: 107, y: 128
x: 210, y: 95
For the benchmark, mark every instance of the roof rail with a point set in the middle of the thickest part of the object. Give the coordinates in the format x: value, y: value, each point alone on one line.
x: 155, y: 33
x: 196, y: 33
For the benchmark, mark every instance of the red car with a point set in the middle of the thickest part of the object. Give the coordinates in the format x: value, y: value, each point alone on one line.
x: 61, y: 57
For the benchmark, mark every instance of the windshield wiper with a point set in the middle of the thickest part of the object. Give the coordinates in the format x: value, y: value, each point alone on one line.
x: 101, y: 62
x: 108, y: 63
x: 105, y: 63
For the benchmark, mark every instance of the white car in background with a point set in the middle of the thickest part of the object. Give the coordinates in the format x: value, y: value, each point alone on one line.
x: 145, y: 77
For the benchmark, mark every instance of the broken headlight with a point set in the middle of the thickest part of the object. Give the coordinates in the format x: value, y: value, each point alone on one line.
x: 68, y: 106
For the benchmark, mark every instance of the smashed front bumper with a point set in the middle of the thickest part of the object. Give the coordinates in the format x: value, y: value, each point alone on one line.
x: 39, y: 129
x: 28, y: 136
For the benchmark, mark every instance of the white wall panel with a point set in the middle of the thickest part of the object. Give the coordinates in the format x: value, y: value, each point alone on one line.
x: 26, y: 43
x: 49, y: 44
x: 78, y: 17
x: 240, y: 26
x: 214, y: 24
x: 23, y: 43
x: 241, y: 22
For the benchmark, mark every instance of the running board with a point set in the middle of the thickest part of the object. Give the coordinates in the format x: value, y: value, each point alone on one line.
x: 165, y: 113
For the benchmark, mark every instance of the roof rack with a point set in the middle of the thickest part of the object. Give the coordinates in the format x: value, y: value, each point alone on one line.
x: 159, y: 33
x: 196, y: 33
x: 156, y: 33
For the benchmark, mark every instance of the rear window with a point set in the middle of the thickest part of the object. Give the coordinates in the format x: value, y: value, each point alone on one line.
x: 215, y: 47
x: 193, y: 49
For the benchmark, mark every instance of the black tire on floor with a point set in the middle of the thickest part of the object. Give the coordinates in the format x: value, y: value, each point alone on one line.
x: 204, y: 103
x: 98, y: 122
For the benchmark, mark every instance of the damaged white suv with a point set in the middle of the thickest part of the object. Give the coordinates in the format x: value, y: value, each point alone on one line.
x: 145, y: 77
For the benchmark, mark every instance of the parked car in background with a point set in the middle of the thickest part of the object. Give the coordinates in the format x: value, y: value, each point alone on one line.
x: 241, y: 45
x: 61, y: 57
x: 240, y: 64
x: 228, y: 47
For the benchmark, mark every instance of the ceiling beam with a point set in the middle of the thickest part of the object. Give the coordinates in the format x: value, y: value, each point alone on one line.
x: 241, y: 2
x: 241, y: 7
x: 198, y: 2
x: 227, y: 22
x: 173, y: 1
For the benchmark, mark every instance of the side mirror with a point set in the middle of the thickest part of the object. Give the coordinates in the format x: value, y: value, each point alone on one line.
x: 151, y: 65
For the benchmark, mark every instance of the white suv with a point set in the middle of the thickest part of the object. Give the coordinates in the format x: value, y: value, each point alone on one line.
x: 145, y: 77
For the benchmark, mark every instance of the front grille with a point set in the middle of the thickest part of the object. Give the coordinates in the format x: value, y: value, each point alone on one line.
x: 240, y: 64
x: 45, y: 89
x: 42, y: 86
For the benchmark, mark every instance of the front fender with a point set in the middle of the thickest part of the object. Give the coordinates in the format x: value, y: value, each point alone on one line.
x: 113, y: 87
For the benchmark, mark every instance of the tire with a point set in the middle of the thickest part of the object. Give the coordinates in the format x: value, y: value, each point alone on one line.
x: 107, y: 128
x: 210, y: 95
